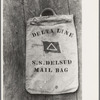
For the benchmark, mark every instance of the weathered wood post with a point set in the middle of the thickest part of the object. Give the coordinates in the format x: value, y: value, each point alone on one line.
x: 16, y: 13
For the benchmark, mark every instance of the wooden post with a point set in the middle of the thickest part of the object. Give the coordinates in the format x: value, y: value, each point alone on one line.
x: 16, y: 13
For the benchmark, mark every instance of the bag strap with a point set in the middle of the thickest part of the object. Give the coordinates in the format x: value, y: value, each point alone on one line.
x: 48, y: 12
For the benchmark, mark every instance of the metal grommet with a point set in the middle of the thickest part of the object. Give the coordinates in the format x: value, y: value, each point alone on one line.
x: 56, y: 87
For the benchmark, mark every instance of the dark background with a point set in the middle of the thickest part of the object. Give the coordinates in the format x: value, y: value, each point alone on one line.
x: 15, y: 15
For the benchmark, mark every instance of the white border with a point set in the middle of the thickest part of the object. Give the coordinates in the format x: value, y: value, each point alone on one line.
x: 89, y: 49
x: 90, y: 69
x: 1, y: 49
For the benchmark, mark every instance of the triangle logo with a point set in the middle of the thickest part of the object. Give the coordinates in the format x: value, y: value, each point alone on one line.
x: 51, y: 47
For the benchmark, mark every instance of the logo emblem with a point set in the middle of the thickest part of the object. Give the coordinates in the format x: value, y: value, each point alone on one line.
x: 51, y: 47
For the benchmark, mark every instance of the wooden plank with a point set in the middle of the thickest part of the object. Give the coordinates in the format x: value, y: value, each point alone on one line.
x: 70, y: 96
x: 16, y: 13
x: 75, y: 9
x: 14, y: 51
x: 34, y: 8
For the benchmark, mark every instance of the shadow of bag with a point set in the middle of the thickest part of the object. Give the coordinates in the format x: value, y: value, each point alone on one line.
x: 51, y: 54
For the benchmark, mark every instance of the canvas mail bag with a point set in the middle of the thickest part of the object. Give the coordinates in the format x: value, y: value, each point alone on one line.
x: 51, y: 55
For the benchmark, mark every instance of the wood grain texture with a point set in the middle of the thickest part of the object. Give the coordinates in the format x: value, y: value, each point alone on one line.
x: 14, y: 50
x: 16, y: 13
x: 75, y: 9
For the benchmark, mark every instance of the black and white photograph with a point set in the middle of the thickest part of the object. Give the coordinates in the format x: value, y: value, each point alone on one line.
x: 42, y: 50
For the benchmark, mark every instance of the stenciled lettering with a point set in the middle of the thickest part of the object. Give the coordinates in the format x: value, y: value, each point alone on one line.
x: 61, y: 70
x: 55, y: 62
x: 53, y: 31
x: 42, y: 69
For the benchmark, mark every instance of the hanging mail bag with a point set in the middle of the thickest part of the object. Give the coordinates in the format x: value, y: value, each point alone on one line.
x: 51, y: 55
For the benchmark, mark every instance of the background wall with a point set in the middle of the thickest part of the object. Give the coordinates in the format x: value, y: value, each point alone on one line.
x: 16, y: 13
